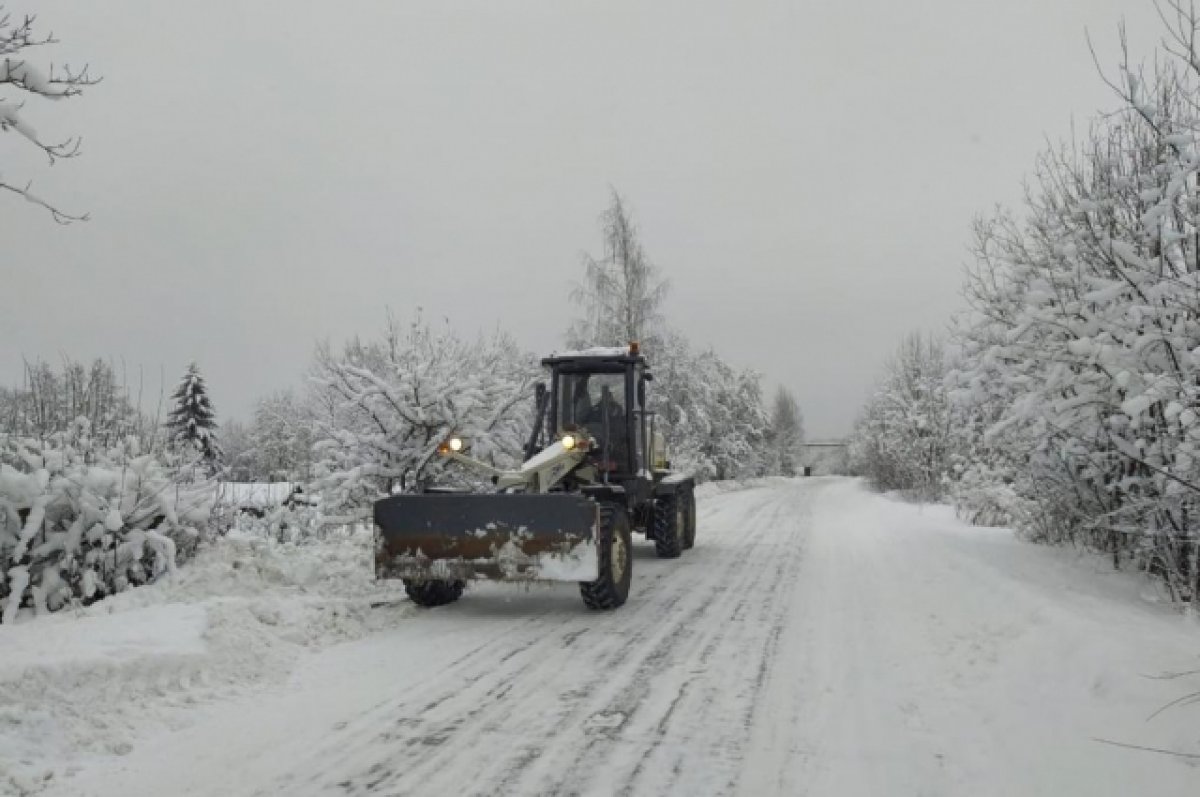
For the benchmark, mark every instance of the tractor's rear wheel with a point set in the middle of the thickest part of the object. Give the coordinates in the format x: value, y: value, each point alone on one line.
x: 670, y: 526
x: 689, y: 537
x: 434, y: 592
x: 614, y: 544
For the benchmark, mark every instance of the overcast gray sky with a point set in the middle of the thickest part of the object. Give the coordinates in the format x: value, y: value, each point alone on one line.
x: 263, y: 174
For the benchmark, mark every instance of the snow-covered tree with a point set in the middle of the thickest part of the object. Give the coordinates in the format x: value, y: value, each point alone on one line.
x: 237, y: 451
x: 20, y: 79
x: 784, y: 448
x: 903, y: 437
x: 282, y: 438
x: 622, y: 291
x: 711, y: 413
x: 381, y: 409
x: 49, y: 401
x: 192, y: 421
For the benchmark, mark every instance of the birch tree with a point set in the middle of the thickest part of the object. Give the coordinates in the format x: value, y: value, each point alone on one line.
x: 785, y: 438
x: 622, y: 291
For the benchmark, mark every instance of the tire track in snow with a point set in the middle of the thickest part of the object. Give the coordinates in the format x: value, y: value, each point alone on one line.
x: 615, y: 717
x: 718, y: 718
x: 595, y: 668
x: 681, y: 635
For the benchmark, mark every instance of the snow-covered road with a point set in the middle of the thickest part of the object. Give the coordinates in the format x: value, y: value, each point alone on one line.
x: 818, y: 640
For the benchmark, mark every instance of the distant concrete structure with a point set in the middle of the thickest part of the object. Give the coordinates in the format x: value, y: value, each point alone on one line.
x: 824, y: 457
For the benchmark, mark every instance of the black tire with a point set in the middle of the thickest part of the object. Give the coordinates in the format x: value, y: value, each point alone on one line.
x: 670, y: 526
x: 612, y: 587
x: 434, y: 593
x: 689, y: 537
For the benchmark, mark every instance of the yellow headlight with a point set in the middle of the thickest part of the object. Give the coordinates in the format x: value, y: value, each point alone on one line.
x: 456, y: 444
x: 568, y: 442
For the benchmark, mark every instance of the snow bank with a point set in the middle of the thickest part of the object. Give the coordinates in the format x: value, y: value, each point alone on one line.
x: 88, y: 681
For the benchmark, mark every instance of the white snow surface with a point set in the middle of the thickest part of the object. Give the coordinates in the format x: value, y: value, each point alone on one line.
x: 87, y: 683
x: 818, y: 640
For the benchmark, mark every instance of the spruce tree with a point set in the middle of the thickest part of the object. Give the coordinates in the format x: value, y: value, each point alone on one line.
x: 192, y: 422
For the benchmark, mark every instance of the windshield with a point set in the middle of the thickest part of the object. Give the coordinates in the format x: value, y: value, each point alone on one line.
x: 594, y: 402
x: 585, y: 400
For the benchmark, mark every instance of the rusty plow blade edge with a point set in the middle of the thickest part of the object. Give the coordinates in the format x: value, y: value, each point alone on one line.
x: 509, y: 537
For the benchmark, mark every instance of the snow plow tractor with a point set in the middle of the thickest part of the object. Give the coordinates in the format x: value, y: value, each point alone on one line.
x: 596, y: 471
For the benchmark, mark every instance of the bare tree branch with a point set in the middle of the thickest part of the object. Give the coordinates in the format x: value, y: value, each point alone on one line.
x: 58, y: 215
x: 1147, y: 749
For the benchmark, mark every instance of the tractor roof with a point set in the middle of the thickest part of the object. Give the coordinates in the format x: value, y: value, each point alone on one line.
x: 600, y: 355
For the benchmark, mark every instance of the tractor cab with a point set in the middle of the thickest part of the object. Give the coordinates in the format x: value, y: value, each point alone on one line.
x: 603, y: 392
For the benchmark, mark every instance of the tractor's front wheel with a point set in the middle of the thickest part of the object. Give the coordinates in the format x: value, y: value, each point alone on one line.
x: 614, y: 545
x: 434, y: 592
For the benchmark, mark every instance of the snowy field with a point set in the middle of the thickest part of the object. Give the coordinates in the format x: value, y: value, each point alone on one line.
x: 819, y: 640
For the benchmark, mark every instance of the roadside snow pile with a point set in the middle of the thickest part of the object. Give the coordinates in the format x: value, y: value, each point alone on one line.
x: 86, y: 680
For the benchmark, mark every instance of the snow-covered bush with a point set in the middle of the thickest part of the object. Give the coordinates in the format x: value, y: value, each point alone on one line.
x: 383, y: 407
x: 79, y: 520
x: 283, y: 523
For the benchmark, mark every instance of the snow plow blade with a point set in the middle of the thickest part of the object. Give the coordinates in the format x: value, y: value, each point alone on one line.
x: 508, y: 537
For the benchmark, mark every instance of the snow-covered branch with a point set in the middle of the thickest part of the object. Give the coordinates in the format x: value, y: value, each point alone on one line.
x: 24, y: 79
x: 391, y: 402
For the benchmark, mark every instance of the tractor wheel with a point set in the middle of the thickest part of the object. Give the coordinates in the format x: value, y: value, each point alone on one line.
x: 615, y: 548
x: 689, y: 537
x: 434, y: 593
x: 670, y: 526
